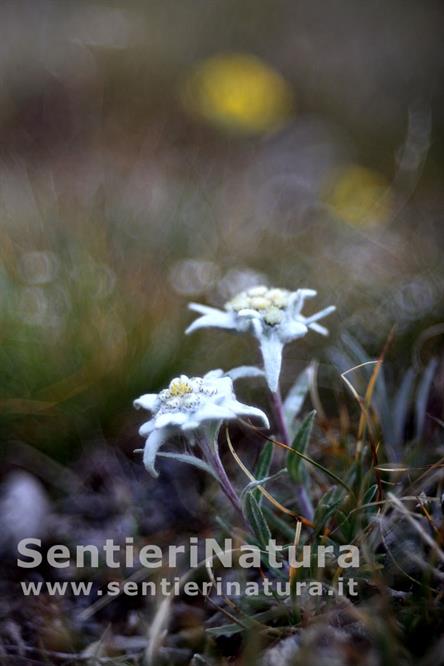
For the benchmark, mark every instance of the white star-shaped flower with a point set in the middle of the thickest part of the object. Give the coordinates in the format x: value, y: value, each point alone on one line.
x: 273, y: 316
x: 190, y: 404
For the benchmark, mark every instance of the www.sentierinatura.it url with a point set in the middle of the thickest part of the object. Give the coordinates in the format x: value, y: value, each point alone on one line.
x: 176, y: 587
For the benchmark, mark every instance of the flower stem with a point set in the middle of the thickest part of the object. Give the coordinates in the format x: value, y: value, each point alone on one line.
x: 302, y: 498
x: 280, y: 417
x: 212, y: 456
x: 226, y: 484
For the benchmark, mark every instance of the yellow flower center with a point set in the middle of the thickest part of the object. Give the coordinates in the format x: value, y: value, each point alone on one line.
x: 179, y: 387
x: 268, y: 303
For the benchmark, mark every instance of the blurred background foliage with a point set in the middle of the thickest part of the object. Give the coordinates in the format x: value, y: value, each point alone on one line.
x: 158, y: 152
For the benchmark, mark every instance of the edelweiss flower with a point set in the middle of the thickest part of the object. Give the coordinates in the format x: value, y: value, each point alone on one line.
x: 273, y: 316
x: 189, y: 404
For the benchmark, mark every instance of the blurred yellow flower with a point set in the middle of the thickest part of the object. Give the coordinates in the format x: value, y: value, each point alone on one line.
x: 360, y: 196
x: 238, y: 91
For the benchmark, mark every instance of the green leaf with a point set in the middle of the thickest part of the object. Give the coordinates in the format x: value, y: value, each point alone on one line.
x: 259, y: 621
x: 252, y: 486
x: 299, y: 445
x: 278, y: 524
x: 323, y: 469
x: 256, y: 519
x: 370, y: 494
x: 345, y: 526
x: 328, y: 500
x: 263, y: 466
x: 369, y: 497
x: 226, y: 630
x: 326, y: 507
x: 354, y: 473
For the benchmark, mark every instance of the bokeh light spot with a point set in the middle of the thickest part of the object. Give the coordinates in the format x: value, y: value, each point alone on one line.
x: 360, y: 196
x: 240, y: 92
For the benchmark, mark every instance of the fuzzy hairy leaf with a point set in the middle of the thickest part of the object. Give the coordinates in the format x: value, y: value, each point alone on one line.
x: 263, y: 466
x: 300, y: 443
x: 253, y: 486
x: 327, y: 506
x: 225, y: 630
x: 190, y: 460
x: 256, y: 518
